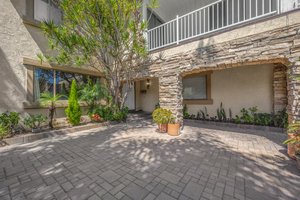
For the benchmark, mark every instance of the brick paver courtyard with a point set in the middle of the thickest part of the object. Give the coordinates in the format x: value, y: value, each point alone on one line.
x: 134, y: 162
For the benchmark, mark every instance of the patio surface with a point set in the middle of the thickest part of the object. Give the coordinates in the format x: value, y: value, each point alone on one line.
x: 132, y: 161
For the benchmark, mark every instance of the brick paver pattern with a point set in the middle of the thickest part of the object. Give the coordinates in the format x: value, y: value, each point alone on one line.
x: 130, y: 161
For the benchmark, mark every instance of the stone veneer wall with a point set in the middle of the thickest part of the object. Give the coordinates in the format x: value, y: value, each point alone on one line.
x: 278, y: 46
x: 280, y: 87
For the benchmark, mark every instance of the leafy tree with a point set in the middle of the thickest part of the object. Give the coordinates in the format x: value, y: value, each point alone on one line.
x: 50, y: 100
x: 107, y: 35
x: 73, y: 111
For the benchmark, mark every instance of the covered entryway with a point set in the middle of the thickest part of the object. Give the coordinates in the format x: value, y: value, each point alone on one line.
x: 147, y: 94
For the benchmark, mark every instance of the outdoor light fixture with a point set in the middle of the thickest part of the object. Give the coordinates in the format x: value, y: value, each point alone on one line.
x: 148, y: 83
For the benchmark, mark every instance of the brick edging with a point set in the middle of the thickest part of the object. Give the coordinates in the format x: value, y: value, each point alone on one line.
x: 31, y: 137
x: 240, y: 126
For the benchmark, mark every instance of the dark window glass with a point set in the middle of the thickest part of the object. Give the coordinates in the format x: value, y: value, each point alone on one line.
x: 194, y: 88
x: 43, y: 82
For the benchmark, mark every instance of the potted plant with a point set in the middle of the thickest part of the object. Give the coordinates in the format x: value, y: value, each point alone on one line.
x: 173, y: 127
x: 161, y: 117
x: 293, y: 136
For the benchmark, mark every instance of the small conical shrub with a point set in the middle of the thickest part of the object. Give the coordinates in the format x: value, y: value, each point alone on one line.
x: 73, y: 111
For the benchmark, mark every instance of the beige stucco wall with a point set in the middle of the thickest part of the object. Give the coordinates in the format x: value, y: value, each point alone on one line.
x: 17, y: 41
x: 238, y: 88
x: 147, y: 101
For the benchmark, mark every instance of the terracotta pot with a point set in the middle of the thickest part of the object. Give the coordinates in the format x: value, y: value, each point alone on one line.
x: 162, y: 128
x: 298, y: 160
x: 291, y: 148
x: 173, y: 129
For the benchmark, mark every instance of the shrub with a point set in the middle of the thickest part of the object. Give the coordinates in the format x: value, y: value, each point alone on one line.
x: 9, y: 121
x: 4, y: 132
x: 221, y: 114
x: 185, y: 112
x: 251, y: 116
x: 73, y: 111
x: 92, y: 93
x: 281, y: 119
x: 111, y: 113
x: 162, y: 116
x: 34, y: 121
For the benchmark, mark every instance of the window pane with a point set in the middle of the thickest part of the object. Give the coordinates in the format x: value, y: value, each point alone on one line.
x: 43, y: 82
x: 194, y: 88
x: 64, y: 81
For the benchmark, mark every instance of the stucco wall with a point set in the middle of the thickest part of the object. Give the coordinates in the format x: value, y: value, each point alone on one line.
x: 17, y: 41
x: 147, y: 101
x: 239, y: 88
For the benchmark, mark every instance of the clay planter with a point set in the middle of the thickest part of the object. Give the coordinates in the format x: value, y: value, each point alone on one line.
x: 173, y: 129
x: 291, y: 148
x: 298, y: 160
x: 162, y: 128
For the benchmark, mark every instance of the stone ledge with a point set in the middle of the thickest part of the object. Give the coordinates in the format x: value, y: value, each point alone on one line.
x: 238, y: 126
x: 27, y: 138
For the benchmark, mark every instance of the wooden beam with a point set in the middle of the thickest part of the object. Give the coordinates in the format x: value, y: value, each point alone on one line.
x: 46, y: 65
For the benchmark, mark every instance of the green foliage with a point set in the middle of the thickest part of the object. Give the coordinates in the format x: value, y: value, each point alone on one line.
x: 186, y: 115
x: 294, y: 129
x: 221, y: 114
x: 251, y: 116
x: 203, y: 114
x: 73, y: 110
x: 50, y: 100
x: 246, y: 117
x: 9, y: 121
x: 281, y: 119
x: 162, y: 116
x: 112, y: 113
x: 92, y: 94
x: 4, y: 132
x: 34, y: 121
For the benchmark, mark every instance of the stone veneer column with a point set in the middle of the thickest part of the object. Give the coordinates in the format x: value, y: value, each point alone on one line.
x: 170, y: 95
x: 280, y: 87
x: 293, y: 84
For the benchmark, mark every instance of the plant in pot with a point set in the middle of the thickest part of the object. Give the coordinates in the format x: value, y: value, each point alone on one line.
x: 293, y: 137
x: 34, y: 122
x: 162, y: 117
x: 173, y: 127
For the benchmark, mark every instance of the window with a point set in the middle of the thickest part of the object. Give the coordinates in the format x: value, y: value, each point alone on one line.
x: 47, y: 10
x: 196, y: 89
x: 43, y: 82
x: 57, y: 82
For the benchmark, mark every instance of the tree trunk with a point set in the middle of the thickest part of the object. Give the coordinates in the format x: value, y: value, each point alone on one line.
x: 51, y: 115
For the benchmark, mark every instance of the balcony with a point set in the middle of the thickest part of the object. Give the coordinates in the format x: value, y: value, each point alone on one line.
x: 214, y: 17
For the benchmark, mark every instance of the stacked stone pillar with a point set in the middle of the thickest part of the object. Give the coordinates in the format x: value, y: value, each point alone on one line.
x: 170, y: 95
x: 293, y: 80
x: 280, y: 87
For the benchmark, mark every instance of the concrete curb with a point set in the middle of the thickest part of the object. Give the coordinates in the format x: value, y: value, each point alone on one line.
x: 239, y: 126
x: 27, y: 138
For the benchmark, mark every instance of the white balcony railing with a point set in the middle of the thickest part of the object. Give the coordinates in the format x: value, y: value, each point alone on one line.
x: 213, y: 17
